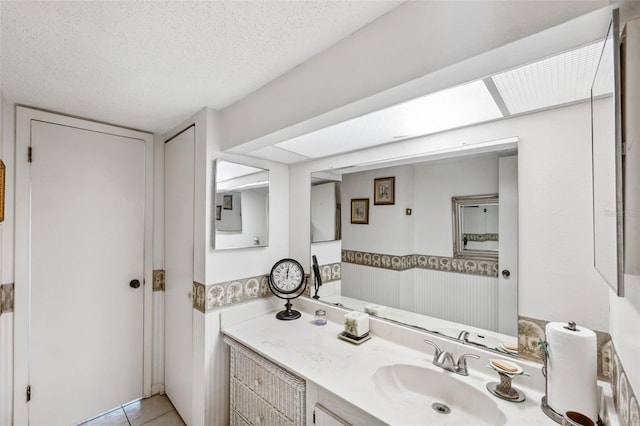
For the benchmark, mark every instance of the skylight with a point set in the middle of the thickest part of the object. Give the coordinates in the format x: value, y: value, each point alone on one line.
x: 550, y: 82
x: 459, y: 106
x: 553, y: 81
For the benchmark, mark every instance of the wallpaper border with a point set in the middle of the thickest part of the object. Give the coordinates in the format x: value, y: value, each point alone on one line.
x: 207, y: 298
x: 488, y: 268
x: 158, y: 280
x: 624, y: 398
x: 531, y: 330
x: 6, y: 298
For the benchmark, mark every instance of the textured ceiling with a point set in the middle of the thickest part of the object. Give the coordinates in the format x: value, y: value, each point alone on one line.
x: 151, y: 65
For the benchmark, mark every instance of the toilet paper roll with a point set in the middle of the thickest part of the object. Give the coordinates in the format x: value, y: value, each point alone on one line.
x: 572, y: 370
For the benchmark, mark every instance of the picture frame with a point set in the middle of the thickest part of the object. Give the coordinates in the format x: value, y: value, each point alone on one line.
x: 384, y: 191
x: 218, y: 212
x: 360, y: 211
x: 227, y: 202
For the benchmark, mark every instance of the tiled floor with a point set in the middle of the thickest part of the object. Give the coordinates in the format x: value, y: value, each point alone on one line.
x: 154, y: 411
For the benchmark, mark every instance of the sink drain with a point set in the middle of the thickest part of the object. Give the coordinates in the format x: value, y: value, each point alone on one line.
x: 440, y: 408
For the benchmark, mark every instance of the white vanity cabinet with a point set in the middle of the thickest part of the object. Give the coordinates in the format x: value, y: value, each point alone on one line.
x: 262, y: 393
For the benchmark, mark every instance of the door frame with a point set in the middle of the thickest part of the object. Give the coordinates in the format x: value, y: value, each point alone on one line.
x: 22, y: 286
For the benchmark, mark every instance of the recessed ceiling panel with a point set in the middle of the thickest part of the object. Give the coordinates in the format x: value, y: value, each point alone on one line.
x: 459, y: 106
x: 553, y: 81
x: 279, y: 155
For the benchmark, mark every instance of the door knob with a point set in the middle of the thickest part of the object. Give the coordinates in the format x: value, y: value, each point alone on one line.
x: 134, y: 284
x: 506, y: 273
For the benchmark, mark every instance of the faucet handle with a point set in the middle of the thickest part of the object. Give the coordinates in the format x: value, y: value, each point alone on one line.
x: 438, y: 350
x: 461, y: 366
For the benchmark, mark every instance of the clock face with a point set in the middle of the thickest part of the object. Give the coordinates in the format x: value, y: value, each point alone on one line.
x: 287, y: 276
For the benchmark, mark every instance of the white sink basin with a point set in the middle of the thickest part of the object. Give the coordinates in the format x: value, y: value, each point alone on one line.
x: 412, y: 391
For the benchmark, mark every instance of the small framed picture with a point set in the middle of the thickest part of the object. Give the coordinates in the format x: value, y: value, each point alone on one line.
x: 384, y: 191
x: 360, y: 210
x: 218, y: 212
x: 227, y: 202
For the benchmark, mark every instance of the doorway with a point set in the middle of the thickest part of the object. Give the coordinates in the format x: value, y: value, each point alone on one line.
x: 83, y: 255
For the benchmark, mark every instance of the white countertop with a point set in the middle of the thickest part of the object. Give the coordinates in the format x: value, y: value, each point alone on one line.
x: 316, y: 354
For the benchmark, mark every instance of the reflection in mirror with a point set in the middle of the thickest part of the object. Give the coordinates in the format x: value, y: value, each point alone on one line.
x: 402, y: 266
x: 475, y: 226
x: 325, y: 207
x: 241, y: 206
x: 229, y: 211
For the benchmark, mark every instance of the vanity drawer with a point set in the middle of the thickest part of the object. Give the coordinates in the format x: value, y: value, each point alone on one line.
x: 253, y: 375
x: 278, y: 387
x: 254, y: 409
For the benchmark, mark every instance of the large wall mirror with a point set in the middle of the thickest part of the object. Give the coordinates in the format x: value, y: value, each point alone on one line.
x: 402, y: 264
x: 407, y: 259
x: 241, y: 209
x: 608, y: 221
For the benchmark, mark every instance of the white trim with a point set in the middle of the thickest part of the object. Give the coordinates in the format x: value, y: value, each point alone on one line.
x: 24, y: 116
x: 157, y: 389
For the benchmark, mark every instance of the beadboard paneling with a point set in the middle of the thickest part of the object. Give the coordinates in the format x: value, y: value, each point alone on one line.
x: 198, y: 402
x: 464, y: 298
x: 157, y: 355
x: 374, y: 284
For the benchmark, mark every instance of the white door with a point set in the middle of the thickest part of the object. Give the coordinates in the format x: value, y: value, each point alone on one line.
x: 508, y: 251
x: 178, y: 251
x: 87, y: 245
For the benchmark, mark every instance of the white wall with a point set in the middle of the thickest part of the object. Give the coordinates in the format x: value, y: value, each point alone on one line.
x: 427, y: 189
x: 327, y: 251
x: 7, y: 153
x: 389, y: 231
x: 435, y: 185
x: 554, y: 170
x: 6, y: 265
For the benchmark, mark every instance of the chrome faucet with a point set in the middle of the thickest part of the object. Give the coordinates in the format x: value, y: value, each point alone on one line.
x: 463, y: 336
x: 444, y: 360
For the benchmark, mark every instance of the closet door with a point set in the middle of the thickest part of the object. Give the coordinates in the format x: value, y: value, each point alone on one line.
x: 87, y: 272
x: 178, y: 251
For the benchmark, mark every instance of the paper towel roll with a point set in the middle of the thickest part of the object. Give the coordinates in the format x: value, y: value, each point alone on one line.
x: 572, y: 370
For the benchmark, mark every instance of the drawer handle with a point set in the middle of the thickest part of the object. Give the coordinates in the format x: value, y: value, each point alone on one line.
x: 259, y: 420
x: 258, y: 381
